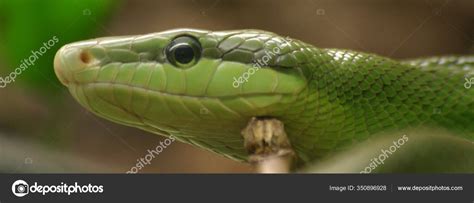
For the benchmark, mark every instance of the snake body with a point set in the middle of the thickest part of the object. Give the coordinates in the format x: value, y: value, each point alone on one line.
x: 203, y: 87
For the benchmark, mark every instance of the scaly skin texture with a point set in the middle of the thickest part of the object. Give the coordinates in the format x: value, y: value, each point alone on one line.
x: 328, y: 99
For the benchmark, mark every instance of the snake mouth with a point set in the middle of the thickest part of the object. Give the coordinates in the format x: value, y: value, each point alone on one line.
x: 58, y: 65
x: 155, y: 105
x: 191, y: 119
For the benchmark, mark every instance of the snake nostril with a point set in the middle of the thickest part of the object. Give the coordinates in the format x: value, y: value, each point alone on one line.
x: 85, y: 57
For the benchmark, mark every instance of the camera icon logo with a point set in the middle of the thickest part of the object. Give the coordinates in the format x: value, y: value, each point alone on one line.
x: 20, y: 188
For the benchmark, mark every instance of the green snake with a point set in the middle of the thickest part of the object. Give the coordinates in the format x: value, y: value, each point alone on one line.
x: 202, y: 87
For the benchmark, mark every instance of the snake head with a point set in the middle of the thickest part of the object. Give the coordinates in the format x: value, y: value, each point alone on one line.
x: 200, y: 86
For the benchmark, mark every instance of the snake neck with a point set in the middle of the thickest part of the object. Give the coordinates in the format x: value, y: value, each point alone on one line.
x: 351, y: 96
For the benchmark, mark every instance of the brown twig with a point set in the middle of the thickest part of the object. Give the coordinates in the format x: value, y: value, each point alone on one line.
x: 268, y: 145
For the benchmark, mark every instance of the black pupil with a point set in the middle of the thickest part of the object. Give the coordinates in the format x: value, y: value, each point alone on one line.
x: 184, y: 54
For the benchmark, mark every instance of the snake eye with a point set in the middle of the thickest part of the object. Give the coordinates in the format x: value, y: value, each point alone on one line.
x: 183, y: 51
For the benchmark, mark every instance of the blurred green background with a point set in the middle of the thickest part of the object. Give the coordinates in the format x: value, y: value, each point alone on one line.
x: 42, y: 129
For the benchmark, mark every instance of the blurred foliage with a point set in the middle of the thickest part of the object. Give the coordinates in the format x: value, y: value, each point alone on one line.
x: 423, y: 150
x: 26, y: 24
